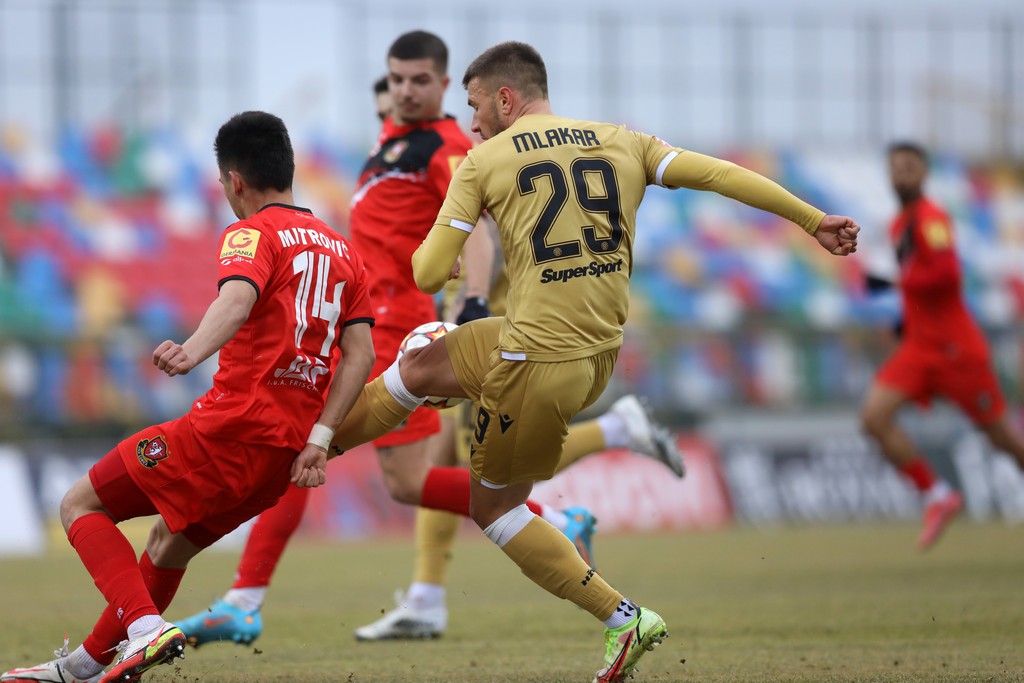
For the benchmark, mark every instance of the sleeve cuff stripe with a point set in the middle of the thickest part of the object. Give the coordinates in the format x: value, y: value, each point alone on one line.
x: 221, y: 282
x: 355, y: 321
x: 461, y: 225
x: 663, y: 165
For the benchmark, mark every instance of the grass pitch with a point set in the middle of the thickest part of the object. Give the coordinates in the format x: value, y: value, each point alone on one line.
x: 814, y: 604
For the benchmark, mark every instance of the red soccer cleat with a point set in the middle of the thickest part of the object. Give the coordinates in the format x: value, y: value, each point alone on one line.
x: 141, y: 655
x: 937, y: 516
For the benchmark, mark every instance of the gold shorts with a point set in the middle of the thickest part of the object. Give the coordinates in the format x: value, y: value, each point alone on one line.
x: 522, y: 408
x: 463, y: 416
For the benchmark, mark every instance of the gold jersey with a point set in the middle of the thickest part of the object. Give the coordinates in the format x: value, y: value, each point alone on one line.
x: 564, y: 194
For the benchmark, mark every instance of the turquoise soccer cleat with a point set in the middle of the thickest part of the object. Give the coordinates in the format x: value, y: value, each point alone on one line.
x: 222, y: 621
x: 581, y: 529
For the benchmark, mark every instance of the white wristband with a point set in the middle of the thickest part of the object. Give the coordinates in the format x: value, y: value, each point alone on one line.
x: 321, y: 436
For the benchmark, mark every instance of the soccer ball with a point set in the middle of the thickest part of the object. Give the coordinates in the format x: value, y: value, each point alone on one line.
x: 421, y: 336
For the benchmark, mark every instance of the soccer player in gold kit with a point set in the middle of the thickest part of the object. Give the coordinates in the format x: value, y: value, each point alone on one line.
x: 564, y: 194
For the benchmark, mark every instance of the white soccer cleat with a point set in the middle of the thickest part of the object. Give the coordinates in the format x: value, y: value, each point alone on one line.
x: 646, y: 436
x: 53, y: 671
x: 406, y: 622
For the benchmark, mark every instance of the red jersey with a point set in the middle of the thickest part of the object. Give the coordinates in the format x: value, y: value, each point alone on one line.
x: 935, y: 316
x: 273, y: 375
x: 400, y: 190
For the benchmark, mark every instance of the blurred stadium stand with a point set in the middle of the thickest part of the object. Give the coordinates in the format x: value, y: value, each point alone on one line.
x: 111, y: 250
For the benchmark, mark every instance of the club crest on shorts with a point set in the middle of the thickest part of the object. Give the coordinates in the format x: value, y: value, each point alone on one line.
x: 151, y: 451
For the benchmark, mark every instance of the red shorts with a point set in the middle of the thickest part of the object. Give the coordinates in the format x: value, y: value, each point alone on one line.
x: 424, y: 421
x: 967, y: 381
x: 201, y: 487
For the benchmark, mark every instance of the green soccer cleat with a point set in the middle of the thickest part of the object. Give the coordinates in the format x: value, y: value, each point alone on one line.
x: 625, y: 645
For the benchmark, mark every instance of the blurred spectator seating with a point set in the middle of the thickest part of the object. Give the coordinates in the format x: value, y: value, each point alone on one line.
x: 108, y: 245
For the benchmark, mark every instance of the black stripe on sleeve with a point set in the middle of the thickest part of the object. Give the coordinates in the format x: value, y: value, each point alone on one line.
x: 356, y: 321
x: 239, y: 277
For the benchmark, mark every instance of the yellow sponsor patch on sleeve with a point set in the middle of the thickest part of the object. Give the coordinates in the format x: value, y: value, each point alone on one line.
x: 937, y: 235
x: 454, y: 161
x: 241, y: 242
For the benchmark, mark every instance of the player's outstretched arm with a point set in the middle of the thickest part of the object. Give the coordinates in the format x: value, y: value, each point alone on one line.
x: 701, y: 172
x: 309, y: 469
x: 433, y: 260
x: 432, y: 264
x: 222, y: 320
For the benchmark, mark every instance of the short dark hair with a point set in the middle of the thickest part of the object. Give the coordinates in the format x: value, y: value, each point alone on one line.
x: 420, y: 45
x: 911, y: 147
x: 380, y: 86
x: 256, y: 145
x: 511, y: 63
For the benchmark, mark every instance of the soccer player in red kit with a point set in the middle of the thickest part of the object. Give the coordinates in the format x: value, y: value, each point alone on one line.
x: 942, y: 351
x: 291, y: 319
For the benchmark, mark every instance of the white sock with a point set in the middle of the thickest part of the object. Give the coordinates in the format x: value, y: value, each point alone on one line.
x: 423, y: 595
x: 615, y: 430
x: 503, y: 529
x: 80, y: 664
x: 939, y: 490
x: 554, y: 517
x: 396, y: 387
x: 246, y: 599
x: 622, y: 615
x: 145, y: 625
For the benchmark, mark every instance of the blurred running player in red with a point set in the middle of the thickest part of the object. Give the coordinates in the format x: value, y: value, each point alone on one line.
x: 942, y: 351
x: 292, y: 318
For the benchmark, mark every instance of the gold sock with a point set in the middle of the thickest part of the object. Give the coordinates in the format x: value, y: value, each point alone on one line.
x: 550, y: 560
x: 583, y: 439
x: 435, y: 536
x: 375, y: 413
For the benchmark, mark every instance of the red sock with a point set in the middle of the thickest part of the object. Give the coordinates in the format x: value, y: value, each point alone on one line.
x: 162, y: 583
x: 447, y: 488
x: 110, y: 560
x: 920, y: 472
x: 268, y: 538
